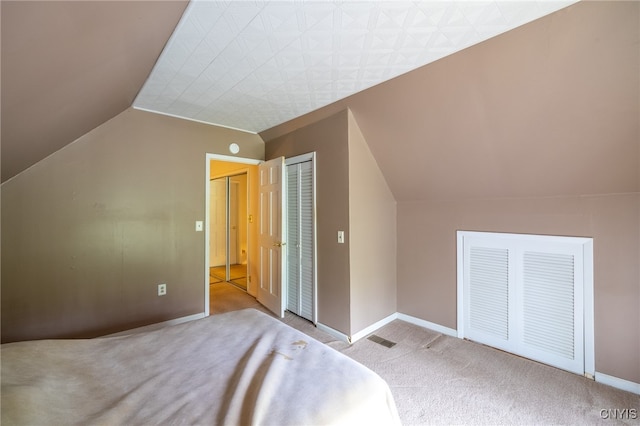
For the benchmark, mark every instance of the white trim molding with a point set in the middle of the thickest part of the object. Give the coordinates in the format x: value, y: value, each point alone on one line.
x: 158, y: 325
x: 373, y: 327
x: 311, y: 156
x: 618, y: 383
x: 429, y: 325
x: 335, y: 333
x: 379, y: 324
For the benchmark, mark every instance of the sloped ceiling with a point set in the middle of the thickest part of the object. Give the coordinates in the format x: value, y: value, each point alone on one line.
x: 252, y: 65
x: 550, y: 109
x: 68, y: 67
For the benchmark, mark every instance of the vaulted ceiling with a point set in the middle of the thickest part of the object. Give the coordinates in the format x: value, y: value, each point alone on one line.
x: 69, y: 66
x: 254, y: 65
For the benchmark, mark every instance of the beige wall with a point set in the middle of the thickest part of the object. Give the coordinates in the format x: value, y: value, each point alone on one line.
x: 427, y: 259
x: 534, y: 131
x: 357, y: 279
x: 69, y: 66
x: 329, y: 139
x: 89, y: 232
x: 539, y: 140
x: 372, y: 229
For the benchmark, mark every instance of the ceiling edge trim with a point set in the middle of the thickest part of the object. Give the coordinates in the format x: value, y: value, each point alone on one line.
x: 193, y: 120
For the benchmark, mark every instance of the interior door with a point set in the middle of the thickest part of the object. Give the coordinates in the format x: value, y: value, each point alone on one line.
x: 300, y: 282
x: 272, y: 244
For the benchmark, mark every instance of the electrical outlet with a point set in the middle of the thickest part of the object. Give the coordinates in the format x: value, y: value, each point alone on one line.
x: 199, y: 225
x: 341, y: 237
x: 162, y: 289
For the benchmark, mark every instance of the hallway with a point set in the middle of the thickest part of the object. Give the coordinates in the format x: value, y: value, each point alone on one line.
x: 237, y: 275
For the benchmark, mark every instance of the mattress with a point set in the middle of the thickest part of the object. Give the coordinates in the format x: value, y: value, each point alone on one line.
x: 238, y: 368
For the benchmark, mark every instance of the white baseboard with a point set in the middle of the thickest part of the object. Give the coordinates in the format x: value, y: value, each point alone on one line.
x: 159, y: 325
x: 335, y: 333
x: 430, y: 325
x: 373, y: 327
x: 615, y: 382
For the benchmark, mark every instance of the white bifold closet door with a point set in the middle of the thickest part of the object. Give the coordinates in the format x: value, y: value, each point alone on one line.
x: 300, y: 245
x: 525, y: 294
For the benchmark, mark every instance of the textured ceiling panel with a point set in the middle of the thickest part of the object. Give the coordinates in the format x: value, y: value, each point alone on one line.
x: 252, y: 65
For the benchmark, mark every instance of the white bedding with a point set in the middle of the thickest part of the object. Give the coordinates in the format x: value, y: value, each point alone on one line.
x: 237, y: 368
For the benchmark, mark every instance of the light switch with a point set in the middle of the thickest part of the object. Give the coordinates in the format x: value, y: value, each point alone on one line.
x: 341, y: 237
x: 198, y: 225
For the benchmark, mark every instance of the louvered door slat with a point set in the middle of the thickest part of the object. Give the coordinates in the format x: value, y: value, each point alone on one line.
x: 489, y: 291
x: 548, y: 302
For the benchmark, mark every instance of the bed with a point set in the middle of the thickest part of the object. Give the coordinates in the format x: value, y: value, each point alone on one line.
x: 237, y: 368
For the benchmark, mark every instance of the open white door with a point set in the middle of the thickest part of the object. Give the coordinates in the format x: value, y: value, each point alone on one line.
x: 272, y: 245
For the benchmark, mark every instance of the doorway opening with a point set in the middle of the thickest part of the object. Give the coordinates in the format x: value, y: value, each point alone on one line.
x: 230, y: 229
x: 290, y: 276
x: 228, y: 239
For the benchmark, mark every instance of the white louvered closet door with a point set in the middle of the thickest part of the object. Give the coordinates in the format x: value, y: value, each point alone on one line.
x: 525, y: 294
x: 300, y: 275
x: 550, y: 305
x: 487, y: 304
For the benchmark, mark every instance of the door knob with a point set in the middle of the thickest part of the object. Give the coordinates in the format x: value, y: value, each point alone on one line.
x: 279, y: 244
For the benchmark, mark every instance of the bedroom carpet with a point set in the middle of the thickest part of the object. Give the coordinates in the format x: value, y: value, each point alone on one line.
x: 437, y: 379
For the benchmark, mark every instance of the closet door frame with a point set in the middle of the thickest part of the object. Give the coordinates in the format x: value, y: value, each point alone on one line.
x: 296, y: 160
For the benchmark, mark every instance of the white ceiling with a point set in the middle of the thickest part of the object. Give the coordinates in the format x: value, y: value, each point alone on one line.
x: 252, y: 65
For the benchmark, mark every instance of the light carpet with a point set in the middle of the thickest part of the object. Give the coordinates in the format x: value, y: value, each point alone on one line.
x: 437, y: 379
